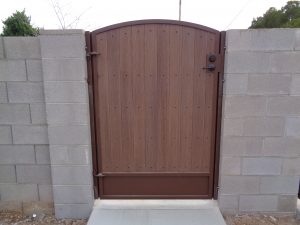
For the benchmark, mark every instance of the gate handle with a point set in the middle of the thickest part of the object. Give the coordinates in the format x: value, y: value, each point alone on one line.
x: 210, y: 67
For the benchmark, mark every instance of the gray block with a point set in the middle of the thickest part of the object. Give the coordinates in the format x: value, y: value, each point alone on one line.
x: 285, y: 62
x: 235, y: 84
x: 282, y: 146
x: 3, y: 92
x: 239, y: 185
x: 283, y: 106
x: 5, y: 135
x: 232, y: 127
x: 231, y: 166
x: 279, y: 185
x: 68, y: 113
x: 70, y: 154
x: 34, y: 70
x: 226, y: 202
x: 25, y: 92
x: 42, y: 154
x: 69, y: 175
x: 261, y: 166
x: 18, y: 192
x: 38, y: 113
x: 30, y: 134
x: 64, y: 69
x: 258, y: 203
x: 17, y: 154
x: 275, y: 84
x: 291, y: 166
x: 33, y: 174
x: 242, y: 146
x: 45, y: 193
x: 62, y: 46
x: 66, y: 92
x: 12, y: 70
x: 293, y: 126
x: 22, y: 47
x: 7, y: 174
x: 69, y: 134
x: 68, y: 194
x: 75, y: 211
x: 287, y: 203
x: 247, y: 62
x: 295, y: 85
x: 241, y: 106
x: 15, y: 206
x: 1, y: 48
x: 264, y: 126
x: 14, y: 114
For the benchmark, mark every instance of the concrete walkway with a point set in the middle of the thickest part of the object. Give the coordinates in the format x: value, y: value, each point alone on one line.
x: 156, y: 212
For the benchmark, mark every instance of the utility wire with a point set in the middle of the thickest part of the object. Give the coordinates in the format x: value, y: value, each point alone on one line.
x: 238, y: 14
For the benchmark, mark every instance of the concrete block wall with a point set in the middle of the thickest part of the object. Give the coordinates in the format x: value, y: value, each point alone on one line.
x: 25, y: 176
x: 260, y: 143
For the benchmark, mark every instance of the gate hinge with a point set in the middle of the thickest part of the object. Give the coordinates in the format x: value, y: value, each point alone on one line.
x: 90, y: 54
x: 99, y: 175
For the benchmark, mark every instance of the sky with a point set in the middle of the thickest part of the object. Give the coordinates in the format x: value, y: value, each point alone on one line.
x: 94, y: 14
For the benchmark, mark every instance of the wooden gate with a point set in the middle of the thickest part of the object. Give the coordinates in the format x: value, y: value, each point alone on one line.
x: 154, y: 105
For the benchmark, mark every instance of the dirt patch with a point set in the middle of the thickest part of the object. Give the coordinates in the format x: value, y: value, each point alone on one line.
x: 261, y: 220
x: 16, y: 218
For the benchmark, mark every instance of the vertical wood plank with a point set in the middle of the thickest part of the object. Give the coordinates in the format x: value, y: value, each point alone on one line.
x: 138, y: 56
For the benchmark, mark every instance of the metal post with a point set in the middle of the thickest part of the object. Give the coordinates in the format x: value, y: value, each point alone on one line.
x: 179, y: 10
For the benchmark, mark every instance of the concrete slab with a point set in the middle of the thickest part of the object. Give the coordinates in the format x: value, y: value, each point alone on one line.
x: 156, y: 212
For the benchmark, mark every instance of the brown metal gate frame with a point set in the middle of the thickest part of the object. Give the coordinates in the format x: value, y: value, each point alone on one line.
x: 90, y: 81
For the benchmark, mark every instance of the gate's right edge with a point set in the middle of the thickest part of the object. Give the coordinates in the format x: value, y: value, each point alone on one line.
x: 219, y: 113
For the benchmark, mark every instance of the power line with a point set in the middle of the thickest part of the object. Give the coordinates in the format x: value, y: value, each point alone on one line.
x: 238, y: 14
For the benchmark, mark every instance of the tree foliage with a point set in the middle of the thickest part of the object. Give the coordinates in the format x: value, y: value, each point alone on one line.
x: 18, y: 25
x: 286, y: 17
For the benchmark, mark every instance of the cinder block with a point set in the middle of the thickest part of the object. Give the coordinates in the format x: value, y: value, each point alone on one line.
x: 34, y: 70
x: 15, y: 206
x: 70, y: 154
x: 282, y: 146
x: 25, y: 92
x: 68, y: 175
x: 258, y: 203
x: 232, y: 127
x: 42, y: 154
x: 5, y: 135
x: 295, y: 85
x: 3, y: 92
x: 264, y: 126
x: 62, y: 46
x: 228, y: 202
x: 291, y: 166
x: 14, y: 114
x: 275, y: 84
x: 74, y: 211
x: 64, y: 69
x: 238, y: 40
x: 78, y: 194
x: 17, y: 154
x: 284, y: 106
x: 18, y: 192
x: 69, y: 134
x: 1, y: 48
x: 247, y: 62
x: 39, y: 208
x: 287, y: 203
x: 7, y: 174
x: 45, y: 193
x: 242, y: 146
x: 22, y: 47
x: 241, y: 106
x: 231, y: 166
x: 279, y: 185
x: 261, y: 166
x: 293, y: 126
x: 12, y: 70
x: 285, y: 62
x: 30, y: 134
x: 239, y: 185
x: 66, y: 92
x: 38, y: 113
x: 68, y: 113
x: 33, y: 174
x: 236, y: 84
